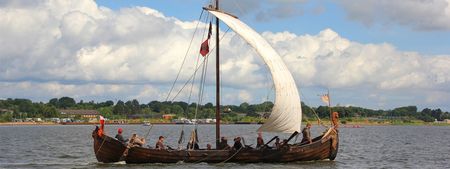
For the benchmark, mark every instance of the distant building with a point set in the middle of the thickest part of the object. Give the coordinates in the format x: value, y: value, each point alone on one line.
x: 5, y: 111
x: 447, y: 121
x: 168, y: 116
x: 227, y: 110
x: 87, y: 114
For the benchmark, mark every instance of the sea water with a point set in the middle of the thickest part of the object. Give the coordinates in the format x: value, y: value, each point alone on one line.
x: 66, y: 146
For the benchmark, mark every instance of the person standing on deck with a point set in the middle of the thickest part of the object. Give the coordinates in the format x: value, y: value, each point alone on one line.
x: 259, y: 141
x: 306, y: 134
x: 101, y: 131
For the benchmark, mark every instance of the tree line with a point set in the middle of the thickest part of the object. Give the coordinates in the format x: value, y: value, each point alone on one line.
x: 25, y: 108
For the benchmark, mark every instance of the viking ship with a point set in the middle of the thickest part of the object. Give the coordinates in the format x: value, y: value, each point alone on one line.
x: 286, y: 117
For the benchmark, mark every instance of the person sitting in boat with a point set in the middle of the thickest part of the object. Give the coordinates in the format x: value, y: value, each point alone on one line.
x: 223, y: 145
x: 160, y: 143
x: 277, y: 143
x: 136, y: 140
x: 259, y: 141
x: 193, y: 145
x: 306, y: 134
x: 120, y: 137
x: 237, y: 143
x: 193, y: 142
x: 208, y: 146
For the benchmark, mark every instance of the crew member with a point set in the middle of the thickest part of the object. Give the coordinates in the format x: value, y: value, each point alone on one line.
x: 223, y: 145
x: 120, y: 137
x: 160, y: 143
x: 237, y: 143
x: 307, y: 134
x: 101, y: 131
x: 277, y: 143
x: 259, y: 141
x: 136, y: 140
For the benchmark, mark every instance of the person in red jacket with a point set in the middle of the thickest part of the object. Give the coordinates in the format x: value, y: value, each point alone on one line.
x: 101, y: 131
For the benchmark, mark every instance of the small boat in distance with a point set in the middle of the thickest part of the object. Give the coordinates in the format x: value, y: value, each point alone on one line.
x: 146, y: 123
x: 182, y: 121
x: 286, y: 117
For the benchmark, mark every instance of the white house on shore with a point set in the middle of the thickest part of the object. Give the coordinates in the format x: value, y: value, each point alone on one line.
x: 90, y: 115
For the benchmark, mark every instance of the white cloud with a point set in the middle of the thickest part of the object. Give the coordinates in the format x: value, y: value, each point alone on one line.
x: 334, y: 62
x: 244, y: 96
x: 265, y: 10
x: 76, y: 48
x: 329, y: 60
x: 417, y: 14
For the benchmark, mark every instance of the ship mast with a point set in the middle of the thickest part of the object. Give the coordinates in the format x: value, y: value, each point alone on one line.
x: 217, y: 81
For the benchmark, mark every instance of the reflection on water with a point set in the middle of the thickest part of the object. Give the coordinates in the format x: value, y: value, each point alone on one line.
x: 367, y: 147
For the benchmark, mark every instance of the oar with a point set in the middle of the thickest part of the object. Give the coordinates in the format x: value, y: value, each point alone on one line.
x: 270, y: 141
x: 292, y: 136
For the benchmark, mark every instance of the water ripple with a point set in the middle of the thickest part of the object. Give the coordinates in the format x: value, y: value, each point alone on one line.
x: 368, y: 147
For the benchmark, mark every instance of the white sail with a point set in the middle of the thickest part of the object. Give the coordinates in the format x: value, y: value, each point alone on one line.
x: 286, y: 114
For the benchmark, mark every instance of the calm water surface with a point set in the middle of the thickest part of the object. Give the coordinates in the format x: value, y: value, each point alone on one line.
x: 367, y: 147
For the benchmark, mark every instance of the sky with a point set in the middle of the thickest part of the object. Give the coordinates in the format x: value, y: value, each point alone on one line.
x: 378, y: 54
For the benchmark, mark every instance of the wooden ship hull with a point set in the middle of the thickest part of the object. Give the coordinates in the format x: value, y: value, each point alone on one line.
x: 107, y: 149
x: 323, y: 147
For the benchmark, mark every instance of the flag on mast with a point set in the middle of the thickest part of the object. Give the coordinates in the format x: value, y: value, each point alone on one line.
x: 325, y: 98
x: 204, y: 48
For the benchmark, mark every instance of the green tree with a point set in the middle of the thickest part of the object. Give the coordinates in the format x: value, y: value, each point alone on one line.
x: 307, y: 111
x: 25, y: 105
x: 48, y: 111
x: 404, y: 111
x: 66, y: 102
x: 54, y: 102
x: 177, y: 109
x: 243, y: 107
x: 209, y: 105
x: 133, y: 107
x: 106, y: 111
x: 119, y: 108
x: 6, y: 117
x: 155, y: 106
x: 323, y: 112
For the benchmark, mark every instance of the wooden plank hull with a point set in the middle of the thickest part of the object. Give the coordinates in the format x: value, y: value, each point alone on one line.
x: 107, y: 149
x: 323, y: 147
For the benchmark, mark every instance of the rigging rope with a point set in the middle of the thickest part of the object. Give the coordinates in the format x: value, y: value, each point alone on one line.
x: 233, y: 155
x: 238, y: 7
x: 317, y: 116
x: 185, y: 56
x: 186, y: 111
x: 101, y: 145
x: 196, y: 70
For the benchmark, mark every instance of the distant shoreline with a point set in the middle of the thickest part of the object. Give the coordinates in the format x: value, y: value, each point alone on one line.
x: 28, y: 124
x: 347, y: 125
